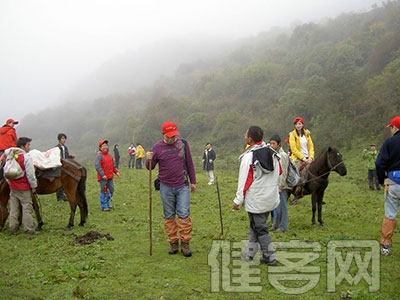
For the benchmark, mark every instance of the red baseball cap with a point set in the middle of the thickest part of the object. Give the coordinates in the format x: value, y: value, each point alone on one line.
x: 12, y: 121
x: 298, y: 119
x: 101, y: 142
x: 394, y: 122
x: 169, y: 129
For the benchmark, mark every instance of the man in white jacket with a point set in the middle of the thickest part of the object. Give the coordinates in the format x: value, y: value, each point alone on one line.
x: 258, y: 192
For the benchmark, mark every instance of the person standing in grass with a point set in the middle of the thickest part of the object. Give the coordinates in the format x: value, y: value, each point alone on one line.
x: 282, y: 218
x: 106, y: 169
x: 371, y: 156
x: 64, y: 153
x: 21, y: 189
x: 139, y: 156
x: 175, y: 164
x: 208, y: 162
x: 258, y: 192
x: 388, y: 171
x: 116, y: 156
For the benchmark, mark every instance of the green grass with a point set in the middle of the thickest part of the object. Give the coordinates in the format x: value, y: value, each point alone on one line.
x: 52, y: 266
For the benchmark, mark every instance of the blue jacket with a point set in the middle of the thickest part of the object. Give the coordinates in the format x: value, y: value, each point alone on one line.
x: 389, y: 157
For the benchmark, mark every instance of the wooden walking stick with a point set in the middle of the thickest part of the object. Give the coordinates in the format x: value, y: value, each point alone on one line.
x: 150, y: 210
x: 220, y: 206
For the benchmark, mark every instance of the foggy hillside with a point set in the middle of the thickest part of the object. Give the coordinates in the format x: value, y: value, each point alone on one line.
x: 134, y: 69
x: 342, y: 76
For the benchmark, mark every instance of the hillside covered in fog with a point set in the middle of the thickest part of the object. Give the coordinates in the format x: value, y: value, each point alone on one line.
x: 342, y: 76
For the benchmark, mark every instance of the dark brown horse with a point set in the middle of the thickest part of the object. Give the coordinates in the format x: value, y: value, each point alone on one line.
x: 316, y: 179
x: 72, y: 180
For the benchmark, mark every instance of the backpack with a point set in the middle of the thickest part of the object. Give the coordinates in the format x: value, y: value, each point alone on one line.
x: 293, y: 174
x: 12, y: 169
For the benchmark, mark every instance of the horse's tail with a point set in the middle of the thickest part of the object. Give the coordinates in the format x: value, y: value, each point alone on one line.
x: 82, y: 192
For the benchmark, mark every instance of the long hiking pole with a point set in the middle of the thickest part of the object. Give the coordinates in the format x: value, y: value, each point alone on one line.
x: 220, y: 206
x: 150, y: 210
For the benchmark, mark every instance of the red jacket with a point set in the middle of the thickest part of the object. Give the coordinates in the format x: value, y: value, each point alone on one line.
x: 21, y: 184
x: 8, y: 137
x: 104, y: 164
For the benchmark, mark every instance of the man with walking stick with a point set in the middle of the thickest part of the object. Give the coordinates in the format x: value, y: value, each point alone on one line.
x: 176, y: 168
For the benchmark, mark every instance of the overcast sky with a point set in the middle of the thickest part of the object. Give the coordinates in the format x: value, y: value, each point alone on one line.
x: 47, y: 46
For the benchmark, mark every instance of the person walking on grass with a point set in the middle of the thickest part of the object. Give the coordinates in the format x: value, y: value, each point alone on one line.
x: 258, y: 192
x: 175, y: 165
x: 388, y: 171
x: 282, y: 224
x: 21, y: 189
x: 64, y: 153
x: 371, y: 156
x: 208, y: 162
x: 106, y: 169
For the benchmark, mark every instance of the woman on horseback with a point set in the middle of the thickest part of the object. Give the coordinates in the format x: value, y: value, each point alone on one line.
x: 301, y: 144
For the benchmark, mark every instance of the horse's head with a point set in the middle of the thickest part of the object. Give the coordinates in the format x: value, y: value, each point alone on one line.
x: 336, y: 162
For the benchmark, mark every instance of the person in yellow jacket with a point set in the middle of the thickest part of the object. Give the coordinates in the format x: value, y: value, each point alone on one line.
x: 301, y: 144
x: 139, y: 156
x: 302, y: 153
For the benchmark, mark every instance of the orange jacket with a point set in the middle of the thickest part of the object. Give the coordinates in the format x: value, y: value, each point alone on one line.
x: 8, y: 137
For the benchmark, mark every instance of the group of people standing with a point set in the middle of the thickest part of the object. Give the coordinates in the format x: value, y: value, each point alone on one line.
x: 136, y: 154
x: 262, y: 186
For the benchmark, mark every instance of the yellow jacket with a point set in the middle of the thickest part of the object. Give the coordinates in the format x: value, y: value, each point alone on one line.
x: 294, y: 142
x: 139, y: 152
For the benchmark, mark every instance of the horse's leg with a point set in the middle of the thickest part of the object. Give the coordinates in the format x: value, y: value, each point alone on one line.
x: 314, y: 208
x: 81, y: 209
x: 36, y: 208
x: 320, y: 202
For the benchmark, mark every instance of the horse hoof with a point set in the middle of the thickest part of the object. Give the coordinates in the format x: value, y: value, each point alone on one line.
x: 68, y: 228
x: 314, y: 224
x: 322, y: 224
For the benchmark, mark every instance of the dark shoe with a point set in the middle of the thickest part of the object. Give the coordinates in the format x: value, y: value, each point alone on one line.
x: 106, y: 209
x: 174, y: 248
x: 185, y: 249
x: 278, y: 230
x: 266, y: 260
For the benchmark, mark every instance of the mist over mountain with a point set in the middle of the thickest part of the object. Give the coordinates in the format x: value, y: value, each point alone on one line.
x: 131, y: 70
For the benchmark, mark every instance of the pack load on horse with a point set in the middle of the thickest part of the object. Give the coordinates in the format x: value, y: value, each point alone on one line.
x: 53, y: 174
x: 314, y: 179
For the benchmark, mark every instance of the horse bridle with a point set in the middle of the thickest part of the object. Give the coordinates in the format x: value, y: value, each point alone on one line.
x: 331, y: 168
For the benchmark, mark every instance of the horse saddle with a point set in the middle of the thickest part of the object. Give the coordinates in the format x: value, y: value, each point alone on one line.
x: 48, y: 174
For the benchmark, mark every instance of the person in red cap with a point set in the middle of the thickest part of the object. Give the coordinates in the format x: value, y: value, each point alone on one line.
x: 302, y: 151
x: 106, y: 169
x: 8, y: 139
x: 388, y: 171
x: 175, y: 164
x: 301, y: 144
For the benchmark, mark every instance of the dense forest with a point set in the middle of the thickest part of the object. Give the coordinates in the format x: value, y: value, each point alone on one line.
x: 342, y: 76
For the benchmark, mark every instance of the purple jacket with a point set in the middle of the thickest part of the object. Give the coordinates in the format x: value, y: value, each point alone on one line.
x: 171, y: 159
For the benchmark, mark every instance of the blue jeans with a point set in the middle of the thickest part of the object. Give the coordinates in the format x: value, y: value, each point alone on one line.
x: 105, y: 197
x: 175, y: 201
x: 392, y: 198
x: 283, y: 211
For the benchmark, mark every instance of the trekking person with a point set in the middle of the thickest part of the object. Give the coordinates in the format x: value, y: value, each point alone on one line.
x: 388, y: 171
x: 258, y: 192
x: 106, y: 169
x: 139, y: 156
x: 131, y: 153
x: 175, y: 164
x: 21, y: 190
x: 8, y: 139
x: 208, y: 162
x: 116, y: 156
x: 371, y: 156
x: 64, y: 153
x: 282, y: 223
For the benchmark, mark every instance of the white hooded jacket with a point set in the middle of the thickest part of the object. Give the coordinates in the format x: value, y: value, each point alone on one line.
x: 258, y: 187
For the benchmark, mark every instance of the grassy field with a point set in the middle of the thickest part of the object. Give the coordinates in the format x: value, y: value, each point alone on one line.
x: 52, y: 265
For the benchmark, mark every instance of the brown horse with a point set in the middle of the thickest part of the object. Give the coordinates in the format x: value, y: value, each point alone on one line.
x: 72, y: 180
x: 316, y: 179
